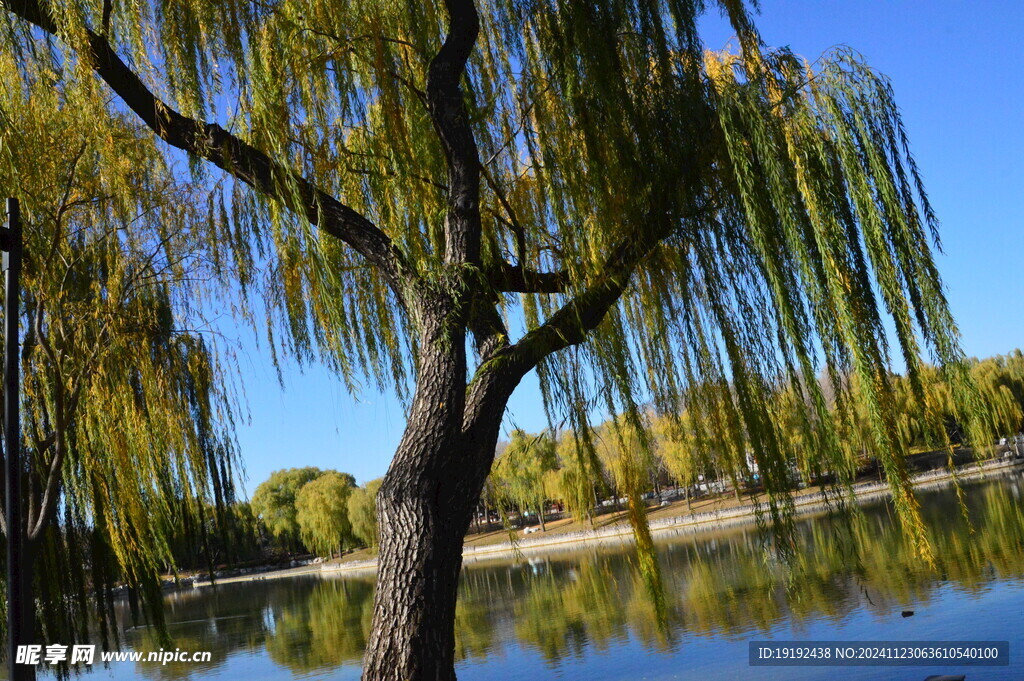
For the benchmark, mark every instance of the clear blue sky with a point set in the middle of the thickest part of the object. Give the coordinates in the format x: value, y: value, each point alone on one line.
x: 958, y: 70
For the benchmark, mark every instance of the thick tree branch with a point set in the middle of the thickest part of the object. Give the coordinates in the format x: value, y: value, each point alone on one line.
x: 487, y: 327
x: 211, y: 142
x: 499, y: 375
x: 447, y: 108
x: 517, y: 279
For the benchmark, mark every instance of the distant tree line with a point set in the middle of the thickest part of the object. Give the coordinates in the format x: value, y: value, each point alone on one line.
x: 618, y: 464
x: 536, y: 473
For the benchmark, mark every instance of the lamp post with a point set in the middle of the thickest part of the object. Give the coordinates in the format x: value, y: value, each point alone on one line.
x: 10, y: 244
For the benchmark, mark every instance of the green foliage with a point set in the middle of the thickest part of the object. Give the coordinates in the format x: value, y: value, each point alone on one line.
x: 579, y: 477
x: 520, y: 475
x: 757, y: 218
x: 679, y: 450
x: 128, y: 408
x: 217, y: 537
x: 630, y: 459
x: 362, y: 513
x: 1000, y: 382
x: 274, y: 502
x: 321, y: 511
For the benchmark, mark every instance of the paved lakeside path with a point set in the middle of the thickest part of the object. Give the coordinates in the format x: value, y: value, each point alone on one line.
x: 808, y: 503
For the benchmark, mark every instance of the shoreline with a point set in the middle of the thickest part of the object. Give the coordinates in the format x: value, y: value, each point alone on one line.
x: 690, y: 524
x: 804, y: 505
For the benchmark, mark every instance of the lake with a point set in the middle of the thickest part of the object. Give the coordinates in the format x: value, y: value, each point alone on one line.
x: 586, y: 613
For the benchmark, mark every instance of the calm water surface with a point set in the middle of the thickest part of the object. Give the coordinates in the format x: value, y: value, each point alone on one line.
x: 587, y: 614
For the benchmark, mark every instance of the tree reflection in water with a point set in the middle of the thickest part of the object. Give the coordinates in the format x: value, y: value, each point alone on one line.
x: 564, y: 604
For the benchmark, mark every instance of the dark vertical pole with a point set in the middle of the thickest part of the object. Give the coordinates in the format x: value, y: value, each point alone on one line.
x: 10, y: 240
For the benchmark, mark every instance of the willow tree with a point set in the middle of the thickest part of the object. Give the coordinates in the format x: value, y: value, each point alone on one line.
x: 362, y: 513
x: 456, y: 194
x: 274, y: 503
x: 680, y: 453
x: 321, y: 511
x: 580, y: 476
x: 127, y: 416
x: 520, y: 473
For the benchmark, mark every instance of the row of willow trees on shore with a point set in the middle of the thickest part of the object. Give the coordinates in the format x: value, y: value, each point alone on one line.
x: 308, y: 510
x: 551, y: 470
x: 295, y: 512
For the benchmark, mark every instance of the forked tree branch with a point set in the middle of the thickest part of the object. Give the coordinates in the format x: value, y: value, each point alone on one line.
x: 499, y: 375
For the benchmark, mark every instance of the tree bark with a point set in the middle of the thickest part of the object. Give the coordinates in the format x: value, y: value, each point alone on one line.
x: 428, y: 497
x: 423, y: 516
x: 413, y: 636
x: 28, y: 599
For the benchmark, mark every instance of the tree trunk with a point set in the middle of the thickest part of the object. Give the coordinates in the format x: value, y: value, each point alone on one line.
x: 413, y: 636
x: 424, y: 508
x: 736, y: 487
x: 424, y: 515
